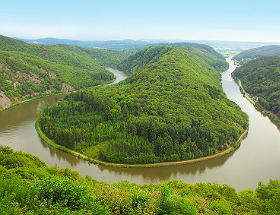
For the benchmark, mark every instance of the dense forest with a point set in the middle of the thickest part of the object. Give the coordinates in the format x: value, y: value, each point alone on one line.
x: 261, y: 78
x: 28, y: 70
x: 23, y: 74
x: 29, y: 186
x: 172, y: 109
x: 205, y: 52
x: 76, y: 56
x: 246, y: 56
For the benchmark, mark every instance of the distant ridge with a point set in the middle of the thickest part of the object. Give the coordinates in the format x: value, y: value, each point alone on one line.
x: 245, y: 56
x: 142, y: 44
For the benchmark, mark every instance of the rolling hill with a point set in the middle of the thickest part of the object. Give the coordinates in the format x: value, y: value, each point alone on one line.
x: 29, y: 70
x: 205, y: 52
x: 246, y: 56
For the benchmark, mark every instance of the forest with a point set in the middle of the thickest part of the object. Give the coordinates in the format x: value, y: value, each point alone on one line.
x: 205, y: 52
x: 172, y: 109
x: 29, y: 70
x: 261, y: 79
x: 251, y: 54
x: 29, y: 186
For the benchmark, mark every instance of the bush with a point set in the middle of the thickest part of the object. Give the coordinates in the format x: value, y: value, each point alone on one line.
x: 171, y: 204
x: 71, y: 194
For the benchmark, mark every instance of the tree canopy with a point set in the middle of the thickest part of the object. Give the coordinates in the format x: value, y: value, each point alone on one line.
x: 172, y: 109
x: 261, y: 78
x: 251, y: 54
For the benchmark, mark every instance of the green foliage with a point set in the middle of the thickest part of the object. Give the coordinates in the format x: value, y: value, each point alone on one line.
x: 173, y: 109
x: 251, y: 54
x: 261, y: 78
x: 151, y: 55
x: 220, y: 207
x: 58, y: 192
x: 171, y: 204
x: 28, y: 70
x: 69, y: 194
x: 85, y: 58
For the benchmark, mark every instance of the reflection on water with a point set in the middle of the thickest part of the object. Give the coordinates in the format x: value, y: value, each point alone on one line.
x: 156, y: 175
x: 257, y: 159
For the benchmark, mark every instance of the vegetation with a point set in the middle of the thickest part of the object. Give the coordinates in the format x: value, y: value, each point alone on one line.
x: 261, y: 79
x: 251, y: 54
x: 172, y: 109
x: 29, y: 186
x: 28, y: 70
x: 85, y: 58
x: 26, y: 75
x: 205, y: 52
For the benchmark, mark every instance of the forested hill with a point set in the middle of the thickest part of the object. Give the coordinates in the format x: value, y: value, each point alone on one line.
x: 85, y: 58
x: 140, y: 59
x: 23, y: 76
x: 251, y: 54
x: 204, y: 47
x: 172, y: 109
x: 28, y: 70
x: 261, y: 78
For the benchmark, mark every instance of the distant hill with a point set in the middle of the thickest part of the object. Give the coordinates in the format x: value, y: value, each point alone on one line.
x: 23, y: 75
x: 140, y: 44
x: 85, y: 58
x: 172, y: 108
x: 150, y: 55
x: 32, y: 70
x: 246, y: 56
x: 261, y: 78
x: 110, y: 45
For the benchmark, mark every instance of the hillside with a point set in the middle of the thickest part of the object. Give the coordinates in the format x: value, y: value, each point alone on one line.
x: 251, y: 54
x: 23, y: 76
x: 85, y: 58
x: 261, y: 78
x: 29, y: 186
x: 29, y: 70
x: 207, y: 53
x: 172, y: 109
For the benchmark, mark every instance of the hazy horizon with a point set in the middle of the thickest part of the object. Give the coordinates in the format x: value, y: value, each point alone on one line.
x: 176, y: 20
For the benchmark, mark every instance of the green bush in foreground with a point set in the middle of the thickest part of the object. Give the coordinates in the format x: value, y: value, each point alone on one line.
x: 50, y: 190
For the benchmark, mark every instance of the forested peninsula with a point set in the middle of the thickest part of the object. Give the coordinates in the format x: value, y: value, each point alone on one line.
x: 29, y: 70
x: 261, y: 79
x: 173, y: 108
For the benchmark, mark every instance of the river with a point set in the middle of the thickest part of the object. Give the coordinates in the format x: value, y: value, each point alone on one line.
x: 257, y: 159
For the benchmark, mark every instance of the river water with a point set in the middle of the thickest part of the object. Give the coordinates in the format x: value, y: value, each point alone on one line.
x: 257, y: 159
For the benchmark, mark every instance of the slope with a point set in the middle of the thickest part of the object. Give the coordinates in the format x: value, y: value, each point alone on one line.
x: 251, y: 54
x: 172, y: 109
x: 207, y: 53
x: 24, y: 75
x: 86, y: 58
x: 261, y: 78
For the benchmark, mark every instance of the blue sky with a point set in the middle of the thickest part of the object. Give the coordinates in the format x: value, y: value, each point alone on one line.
x: 237, y: 20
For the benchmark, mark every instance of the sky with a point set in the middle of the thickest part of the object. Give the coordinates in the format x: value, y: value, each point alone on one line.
x: 237, y: 20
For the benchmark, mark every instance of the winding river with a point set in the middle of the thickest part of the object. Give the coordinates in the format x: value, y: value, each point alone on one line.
x: 257, y: 159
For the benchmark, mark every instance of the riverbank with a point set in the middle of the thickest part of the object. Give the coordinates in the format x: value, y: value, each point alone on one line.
x: 153, y: 165
x: 259, y: 107
x: 27, y: 100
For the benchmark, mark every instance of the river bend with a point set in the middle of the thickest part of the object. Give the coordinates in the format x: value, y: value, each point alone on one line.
x: 257, y: 159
